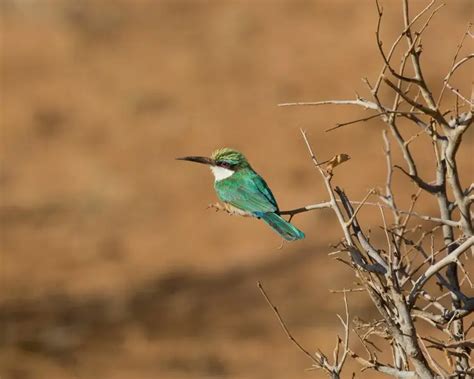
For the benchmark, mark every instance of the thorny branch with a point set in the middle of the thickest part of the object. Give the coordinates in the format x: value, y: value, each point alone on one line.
x: 417, y: 247
x: 285, y: 328
x: 319, y: 359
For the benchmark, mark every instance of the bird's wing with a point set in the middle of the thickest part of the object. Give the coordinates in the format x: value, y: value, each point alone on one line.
x: 248, y: 192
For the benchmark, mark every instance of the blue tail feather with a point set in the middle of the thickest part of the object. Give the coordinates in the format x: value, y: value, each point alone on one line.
x: 282, y: 227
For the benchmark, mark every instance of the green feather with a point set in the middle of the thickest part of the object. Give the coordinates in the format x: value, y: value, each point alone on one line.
x: 283, y: 227
x: 246, y: 190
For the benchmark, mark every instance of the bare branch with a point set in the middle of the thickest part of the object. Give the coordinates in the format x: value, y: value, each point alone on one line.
x: 327, y: 183
x: 443, y: 373
x: 415, y: 58
x: 454, y: 65
x: 359, y: 207
x: 458, y: 65
x: 345, y: 324
x: 285, y: 328
x: 363, y: 119
x: 458, y: 94
x: 455, y: 224
x: 307, y: 208
x: 410, y: 50
x: 359, y: 101
x: 433, y: 189
x: 319, y: 359
x: 385, y: 369
x: 433, y: 113
x: 432, y: 270
x: 371, y: 251
x: 397, y: 41
x: 395, y: 275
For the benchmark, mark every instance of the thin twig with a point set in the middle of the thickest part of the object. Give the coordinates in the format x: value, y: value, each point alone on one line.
x: 284, y: 327
x: 454, y: 65
x: 433, y: 269
x: 360, y: 102
x: 458, y: 94
x: 307, y: 208
x: 455, y: 224
x: 363, y: 119
x: 359, y: 207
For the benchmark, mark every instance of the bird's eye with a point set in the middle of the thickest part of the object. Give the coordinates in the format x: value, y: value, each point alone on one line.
x: 225, y: 164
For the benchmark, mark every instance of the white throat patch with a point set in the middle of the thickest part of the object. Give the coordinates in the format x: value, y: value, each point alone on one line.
x: 221, y: 173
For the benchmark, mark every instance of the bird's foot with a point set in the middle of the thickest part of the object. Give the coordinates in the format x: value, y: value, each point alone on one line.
x: 217, y: 206
x: 221, y: 207
x: 230, y: 210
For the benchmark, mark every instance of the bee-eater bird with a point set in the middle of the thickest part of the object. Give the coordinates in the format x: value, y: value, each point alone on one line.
x: 245, y: 192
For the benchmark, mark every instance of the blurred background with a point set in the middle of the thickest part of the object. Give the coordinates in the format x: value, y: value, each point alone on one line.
x: 111, y: 265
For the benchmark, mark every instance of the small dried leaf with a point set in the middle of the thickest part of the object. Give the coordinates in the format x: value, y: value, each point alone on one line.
x: 336, y: 161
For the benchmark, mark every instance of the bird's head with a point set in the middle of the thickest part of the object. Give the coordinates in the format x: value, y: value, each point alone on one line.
x: 223, y: 162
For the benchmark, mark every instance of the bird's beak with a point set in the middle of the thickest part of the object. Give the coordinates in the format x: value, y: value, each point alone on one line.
x: 203, y: 160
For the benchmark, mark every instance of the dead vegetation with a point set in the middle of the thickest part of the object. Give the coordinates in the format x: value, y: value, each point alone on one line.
x: 395, y: 275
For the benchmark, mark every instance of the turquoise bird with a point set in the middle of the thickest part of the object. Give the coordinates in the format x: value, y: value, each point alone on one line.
x: 244, y: 192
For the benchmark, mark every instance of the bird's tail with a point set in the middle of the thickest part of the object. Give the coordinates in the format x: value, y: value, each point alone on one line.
x: 282, y: 227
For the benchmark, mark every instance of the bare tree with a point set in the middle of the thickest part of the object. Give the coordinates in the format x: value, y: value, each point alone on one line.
x: 396, y: 275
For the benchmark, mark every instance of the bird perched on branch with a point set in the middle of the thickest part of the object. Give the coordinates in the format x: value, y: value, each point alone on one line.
x: 244, y: 192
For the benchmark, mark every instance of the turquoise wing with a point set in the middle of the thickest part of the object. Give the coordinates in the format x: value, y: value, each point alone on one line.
x: 246, y: 190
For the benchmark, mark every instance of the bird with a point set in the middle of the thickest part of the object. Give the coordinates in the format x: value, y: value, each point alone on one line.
x: 244, y: 192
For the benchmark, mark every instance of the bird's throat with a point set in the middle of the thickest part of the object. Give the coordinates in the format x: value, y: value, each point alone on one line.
x: 221, y: 173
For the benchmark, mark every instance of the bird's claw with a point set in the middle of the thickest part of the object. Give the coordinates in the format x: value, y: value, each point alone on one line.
x: 218, y: 207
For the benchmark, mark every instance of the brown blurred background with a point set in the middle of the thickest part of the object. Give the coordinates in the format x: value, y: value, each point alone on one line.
x: 111, y: 266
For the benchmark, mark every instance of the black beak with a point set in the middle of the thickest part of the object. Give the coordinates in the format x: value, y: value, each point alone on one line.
x: 203, y: 160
